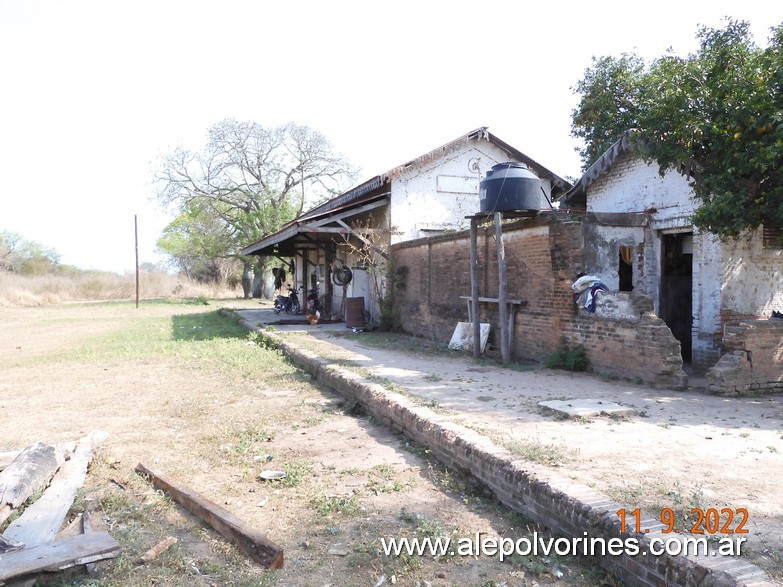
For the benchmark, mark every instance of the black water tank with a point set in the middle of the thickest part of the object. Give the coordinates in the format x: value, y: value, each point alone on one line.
x: 510, y: 186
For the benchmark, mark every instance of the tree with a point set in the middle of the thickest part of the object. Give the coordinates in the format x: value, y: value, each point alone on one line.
x: 19, y: 255
x: 249, y: 179
x: 717, y: 113
x: 197, y: 243
x: 610, y: 101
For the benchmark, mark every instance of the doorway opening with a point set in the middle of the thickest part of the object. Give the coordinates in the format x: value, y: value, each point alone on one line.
x: 676, y: 295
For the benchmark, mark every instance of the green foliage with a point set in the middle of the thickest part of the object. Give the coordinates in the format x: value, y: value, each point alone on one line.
x: 243, y: 185
x: 391, y: 313
x: 570, y: 359
x: 610, y: 103
x: 19, y: 255
x: 718, y: 113
x: 197, y: 242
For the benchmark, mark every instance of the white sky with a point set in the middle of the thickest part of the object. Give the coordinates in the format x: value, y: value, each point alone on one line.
x: 93, y: 91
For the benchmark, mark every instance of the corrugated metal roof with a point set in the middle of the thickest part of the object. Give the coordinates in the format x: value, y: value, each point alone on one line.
x: 577, y: 196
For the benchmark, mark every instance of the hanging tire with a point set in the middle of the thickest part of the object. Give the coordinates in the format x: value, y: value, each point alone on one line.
x: 343, y: 275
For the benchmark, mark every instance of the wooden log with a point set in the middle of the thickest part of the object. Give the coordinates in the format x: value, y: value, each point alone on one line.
x: 41, y: 521
x: 58, y: 555
x: 249, y: 540
x: 156, y: 550
x: 30, y: 471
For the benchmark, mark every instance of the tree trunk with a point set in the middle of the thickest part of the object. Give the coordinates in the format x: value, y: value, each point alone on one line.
x: 247, y: 280
x: 258, y: 286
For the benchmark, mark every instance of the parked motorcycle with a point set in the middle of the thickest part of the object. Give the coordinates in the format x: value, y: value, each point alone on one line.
x: 288, y: 304
x: 314, y: 307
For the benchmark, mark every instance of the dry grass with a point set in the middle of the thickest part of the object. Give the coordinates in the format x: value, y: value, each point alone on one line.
x: 180, y: 388
x: 41, y: 290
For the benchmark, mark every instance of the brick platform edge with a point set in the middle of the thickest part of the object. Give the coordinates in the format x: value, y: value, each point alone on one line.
x: 555, y: 502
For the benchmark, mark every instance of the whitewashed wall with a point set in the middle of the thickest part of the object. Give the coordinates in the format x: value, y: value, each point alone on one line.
x: 729, y: 278
x: 439, y: 195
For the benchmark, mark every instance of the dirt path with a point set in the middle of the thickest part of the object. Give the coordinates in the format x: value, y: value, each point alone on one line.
x: 680, y: 450
x: 206, y: 406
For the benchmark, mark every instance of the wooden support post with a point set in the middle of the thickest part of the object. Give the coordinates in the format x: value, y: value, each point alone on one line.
x: 505, y: 349
x: 474, y: 288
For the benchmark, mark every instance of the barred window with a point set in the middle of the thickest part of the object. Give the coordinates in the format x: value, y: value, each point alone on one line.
x: 772, y: 236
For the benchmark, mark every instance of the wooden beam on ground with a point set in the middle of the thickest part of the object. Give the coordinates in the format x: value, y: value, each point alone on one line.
x: 30, y: 471
x: 41, y: 521
x: 58, y: 555
x: 251, y: 541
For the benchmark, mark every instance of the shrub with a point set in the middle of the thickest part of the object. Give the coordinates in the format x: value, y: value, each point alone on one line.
x: 569, y: 359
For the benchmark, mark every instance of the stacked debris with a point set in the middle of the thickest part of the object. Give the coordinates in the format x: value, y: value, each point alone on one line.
x: 35, y: 542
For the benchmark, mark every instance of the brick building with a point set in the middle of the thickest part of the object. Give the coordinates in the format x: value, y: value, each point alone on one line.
x: 428, y: 195
x: 701, y: 286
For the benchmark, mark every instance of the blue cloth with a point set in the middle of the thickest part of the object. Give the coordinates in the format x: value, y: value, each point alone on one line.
x: 586, y: 290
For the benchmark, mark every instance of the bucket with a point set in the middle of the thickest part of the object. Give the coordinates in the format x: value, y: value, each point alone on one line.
x: 354, y: 313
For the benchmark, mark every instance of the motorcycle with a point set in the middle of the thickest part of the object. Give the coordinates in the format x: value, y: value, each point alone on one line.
x: 288, y: 304
x: 314, y: 307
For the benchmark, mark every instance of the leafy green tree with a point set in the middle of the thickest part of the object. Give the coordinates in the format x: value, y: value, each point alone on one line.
x: 611, y: 96
x: 196, y: 242
x: 20, y: 255
x: 717, y: 113
x: 249, y: 180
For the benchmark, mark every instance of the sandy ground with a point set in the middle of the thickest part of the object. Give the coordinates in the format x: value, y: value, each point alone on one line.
x: 681, y: 450
x: 213, y: 430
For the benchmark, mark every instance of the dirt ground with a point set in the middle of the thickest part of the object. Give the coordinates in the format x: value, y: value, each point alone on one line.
x: 213, y: 410
x: 679, y: 450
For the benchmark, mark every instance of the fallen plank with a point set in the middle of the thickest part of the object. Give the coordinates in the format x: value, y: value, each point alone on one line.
x: 58, y: 555
x: 30, y: 471
x: 41, y: 521
x: 252, y: 542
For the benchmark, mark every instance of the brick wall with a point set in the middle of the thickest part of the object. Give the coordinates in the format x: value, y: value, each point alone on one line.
x: 553, y: 500
x: 544, y: 256
x: 754, y: 361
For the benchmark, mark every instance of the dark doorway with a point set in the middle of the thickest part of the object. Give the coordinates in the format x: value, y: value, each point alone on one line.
x: 676, y: 299
x: 625, y: 268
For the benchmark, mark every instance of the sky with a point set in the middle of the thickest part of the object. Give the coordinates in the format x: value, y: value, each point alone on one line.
x: 94, y: 92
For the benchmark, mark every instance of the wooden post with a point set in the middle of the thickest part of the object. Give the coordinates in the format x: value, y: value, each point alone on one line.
x: 136, y: 235
x: 474, y: 288
x: 505, y: 350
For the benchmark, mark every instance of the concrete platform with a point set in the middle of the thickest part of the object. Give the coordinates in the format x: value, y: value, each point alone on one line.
x: 584, y: 408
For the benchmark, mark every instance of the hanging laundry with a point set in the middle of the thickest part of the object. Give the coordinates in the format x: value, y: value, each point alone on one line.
x: 586, y: 290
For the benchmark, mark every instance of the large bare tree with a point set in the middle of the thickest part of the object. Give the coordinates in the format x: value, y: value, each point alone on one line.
x: 251, y: 178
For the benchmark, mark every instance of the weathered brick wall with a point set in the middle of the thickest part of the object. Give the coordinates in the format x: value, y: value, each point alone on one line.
x: 544, y: 256
x: 626, y: 339
x: 553, y: 500
x: 754, y: 361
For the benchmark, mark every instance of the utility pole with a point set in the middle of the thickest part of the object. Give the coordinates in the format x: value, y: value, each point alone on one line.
x: 136, y: 235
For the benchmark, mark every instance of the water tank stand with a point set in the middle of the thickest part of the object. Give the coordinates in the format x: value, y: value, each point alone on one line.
x: 503, y: 307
